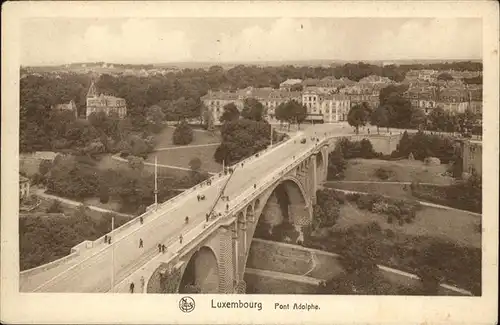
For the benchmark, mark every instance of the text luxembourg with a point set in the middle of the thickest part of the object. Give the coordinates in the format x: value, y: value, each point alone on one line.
x: 238, y: 304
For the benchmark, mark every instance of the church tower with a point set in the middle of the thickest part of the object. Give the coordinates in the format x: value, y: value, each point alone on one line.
x: 92, y: 90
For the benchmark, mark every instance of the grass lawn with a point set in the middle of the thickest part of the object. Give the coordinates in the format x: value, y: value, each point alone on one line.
x: 181, y: 158
x: 402, y: 171
x: 164, y: 138
x: 455, y: 226
x: 68, y: 209
x: 392, y: 190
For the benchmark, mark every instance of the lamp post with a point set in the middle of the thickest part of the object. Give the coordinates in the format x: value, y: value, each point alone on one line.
x: 156, y: 182
x: 112, y: 255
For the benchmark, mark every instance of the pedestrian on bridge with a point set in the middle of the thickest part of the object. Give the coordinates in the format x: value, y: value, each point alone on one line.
x: 227, y: 206
x: 141, y: 243
x: 109, y: 240
x: 142, y: 284
x: 141, y: 219
x: 207, y: 217
x: 132, y: 287
x: 159, y: 248
x: 254, y: 186
x: 163, y: 248
x: 180, y: 238
x: 106, y: 239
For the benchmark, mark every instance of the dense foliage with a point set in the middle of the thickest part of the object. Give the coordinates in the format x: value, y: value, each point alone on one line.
x: 231, y: 113
x: 347, y: 149
x: 243, y: 138
x: 465, y: 194
x: 45, y: 239
x: 132, y: 186
x: 423, y: 145
x: 183, y: 134
x: 291, y: 112
x: 358, y: 115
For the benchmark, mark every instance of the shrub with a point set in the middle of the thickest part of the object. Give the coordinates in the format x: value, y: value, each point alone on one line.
x: 55, y: 207
x: 352, y: 197
x: 183, y: 134
x: 383, y: 173
x: 339, y: 196
x: 104, y: 193
x: 389, y: 233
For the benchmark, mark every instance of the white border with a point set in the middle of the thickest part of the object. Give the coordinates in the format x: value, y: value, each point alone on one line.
x: 148, y: 309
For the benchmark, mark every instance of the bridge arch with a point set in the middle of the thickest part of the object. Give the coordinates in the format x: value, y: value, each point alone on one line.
x: 201, y: 273
x: 287, y: 202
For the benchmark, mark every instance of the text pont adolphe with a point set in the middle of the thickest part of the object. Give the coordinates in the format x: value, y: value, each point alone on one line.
x: 296, y: 306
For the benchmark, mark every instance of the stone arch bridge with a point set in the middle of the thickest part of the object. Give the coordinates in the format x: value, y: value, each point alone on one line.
x: 276, y: 185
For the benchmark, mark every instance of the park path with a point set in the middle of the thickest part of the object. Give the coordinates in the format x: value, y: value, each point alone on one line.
x: 380, y: 182
x: 187, y: 147
x: 117, y: 158
x: 41, y: 192
x: 433, y: 205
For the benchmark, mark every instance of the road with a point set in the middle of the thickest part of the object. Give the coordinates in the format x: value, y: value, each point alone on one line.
x: 93, y: 274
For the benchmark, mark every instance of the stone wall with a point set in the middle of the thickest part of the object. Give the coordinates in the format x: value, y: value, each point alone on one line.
x: 261, y: 284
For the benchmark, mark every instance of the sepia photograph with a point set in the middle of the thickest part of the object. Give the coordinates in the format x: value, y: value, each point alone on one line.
x: 252, y: 155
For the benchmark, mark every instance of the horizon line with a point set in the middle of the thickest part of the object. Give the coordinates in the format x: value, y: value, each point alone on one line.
x: 215, y: 63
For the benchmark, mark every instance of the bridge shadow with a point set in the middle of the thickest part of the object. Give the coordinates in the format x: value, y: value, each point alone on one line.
x: 201, y: 274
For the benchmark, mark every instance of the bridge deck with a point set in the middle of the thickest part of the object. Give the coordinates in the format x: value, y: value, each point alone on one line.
x: 93, y: 274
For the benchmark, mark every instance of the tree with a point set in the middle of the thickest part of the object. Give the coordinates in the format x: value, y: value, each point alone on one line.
x: 55, y: 207
x: 44, y: 167
x: 136, y: 163
x: 418, y: 118
x: 253, y: 109
x: 155, y: 118
x: 445, y: 76
x: 438, y: 118
x: 291, y: 112
x: 336, y: 164
x: 231, y: 113
x: 195, y: 164
x: 104, y: 193
x: 358, y: 115
x: 183, y: 134
x: 379, y: 117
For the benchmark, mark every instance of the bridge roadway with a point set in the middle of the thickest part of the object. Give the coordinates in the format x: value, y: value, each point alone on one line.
x: 93, y: 273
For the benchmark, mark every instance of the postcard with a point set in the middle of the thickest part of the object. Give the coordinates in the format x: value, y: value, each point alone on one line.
x: 249, y: 162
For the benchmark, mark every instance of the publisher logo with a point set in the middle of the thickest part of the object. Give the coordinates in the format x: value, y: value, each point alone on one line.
x: 186, y: 304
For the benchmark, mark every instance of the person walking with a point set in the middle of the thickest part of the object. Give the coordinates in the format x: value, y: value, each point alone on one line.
x: 180, y: 238
x: 109, y: 240
x: 132, y: 287
x: 206, y: 217
x: 163, y: 248
x: 254, y: 186
x: 159, y: 248
x: 141, y: 219
x: 227, y: 206
x: 142, y: 284
x: 106, y: 239
x: 141, y: 244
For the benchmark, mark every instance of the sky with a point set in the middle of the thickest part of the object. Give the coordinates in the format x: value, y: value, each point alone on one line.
x: 47, y: 41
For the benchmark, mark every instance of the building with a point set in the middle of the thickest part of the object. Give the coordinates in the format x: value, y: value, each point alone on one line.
x: 423, y: 75
x: 422, y: 97
x: 71, y: 106
x: 332, y: 107
x: 291, y: 84
x: 103, y: 103
x: 453, y: 100
x: 24, y: 187
x: 472, y: 156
